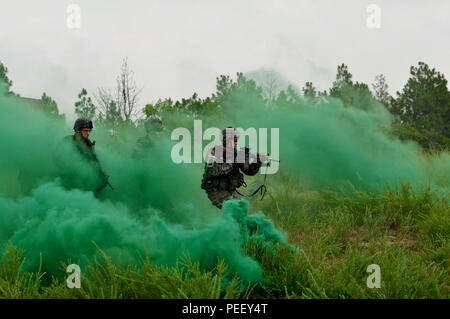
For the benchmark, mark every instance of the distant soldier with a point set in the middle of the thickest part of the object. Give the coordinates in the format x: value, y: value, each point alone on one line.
x: 223, y: 169
x: 83, y: 144
x: 154, y: 127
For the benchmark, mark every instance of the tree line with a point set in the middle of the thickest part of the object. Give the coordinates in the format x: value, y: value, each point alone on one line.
x: 421, y: 110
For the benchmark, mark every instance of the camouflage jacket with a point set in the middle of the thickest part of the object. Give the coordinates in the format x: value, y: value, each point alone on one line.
x: 85, y: 147
x: 224, y: 175
x: 143, y: 144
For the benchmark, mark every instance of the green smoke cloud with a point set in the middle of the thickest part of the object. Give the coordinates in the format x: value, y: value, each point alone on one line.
x: 46, y: 205
x: 326, y: 145
x: 63, y: 225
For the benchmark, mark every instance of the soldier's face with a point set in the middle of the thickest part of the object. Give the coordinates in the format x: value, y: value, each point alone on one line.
x: 235, y: 141
x: 232, y: 143
x: 86, y: 132
x: 157, y: 130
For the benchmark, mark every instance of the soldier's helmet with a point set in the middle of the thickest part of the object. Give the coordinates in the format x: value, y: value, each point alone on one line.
x: 154, y: 124
x: 81, y: 124
x: 229, y: 133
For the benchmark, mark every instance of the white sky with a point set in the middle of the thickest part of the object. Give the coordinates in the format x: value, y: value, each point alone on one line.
x: 179, y: 47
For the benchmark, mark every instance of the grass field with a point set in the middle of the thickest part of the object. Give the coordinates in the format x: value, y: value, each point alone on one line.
x: 332, y: 238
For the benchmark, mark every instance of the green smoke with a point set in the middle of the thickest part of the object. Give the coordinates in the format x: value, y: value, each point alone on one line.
x: 326, y: 145
x: 63, y: 225
x: 46, y: 205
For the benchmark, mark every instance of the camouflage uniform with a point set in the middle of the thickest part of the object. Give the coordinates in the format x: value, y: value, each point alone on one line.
x: 220, y: 180
x: 143, y: 144
x: 86, y: 149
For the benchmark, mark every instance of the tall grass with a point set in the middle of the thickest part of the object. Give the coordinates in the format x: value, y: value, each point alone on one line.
x: 332, y: 238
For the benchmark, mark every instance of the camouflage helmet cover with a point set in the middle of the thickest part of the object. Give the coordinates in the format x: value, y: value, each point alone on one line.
x: 82, y: 123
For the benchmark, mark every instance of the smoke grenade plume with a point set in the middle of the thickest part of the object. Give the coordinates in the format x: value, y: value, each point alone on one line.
x: 47, y: 205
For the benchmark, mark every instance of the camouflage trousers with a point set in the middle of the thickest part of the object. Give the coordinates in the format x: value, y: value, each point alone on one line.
x: 218, y: 197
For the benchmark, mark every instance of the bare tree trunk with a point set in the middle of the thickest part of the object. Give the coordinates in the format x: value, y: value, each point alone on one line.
x: 124, y: 107
x: 127, y: 92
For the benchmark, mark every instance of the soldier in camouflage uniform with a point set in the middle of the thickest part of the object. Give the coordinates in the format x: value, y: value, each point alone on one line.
x: 80, y: 140
x: 223, y: 171
x: 154, y: 126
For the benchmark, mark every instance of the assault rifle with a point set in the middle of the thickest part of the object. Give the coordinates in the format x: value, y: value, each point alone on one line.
x: 242, y: 154
x: 106, y: 177
x: 262, y: 157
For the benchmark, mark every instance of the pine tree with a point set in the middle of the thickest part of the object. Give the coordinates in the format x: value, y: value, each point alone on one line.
x: 424, y: 103
x: 356, y: 94
x: 380, y: 88
x: 50, y: 106
x: 4, y: 78
x: 84, y: 108
x: 309, y: 90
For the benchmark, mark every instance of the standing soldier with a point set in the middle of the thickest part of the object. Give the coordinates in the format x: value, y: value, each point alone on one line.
x: 154, y: 126
x: 223, y: 170
x: 83, y: 144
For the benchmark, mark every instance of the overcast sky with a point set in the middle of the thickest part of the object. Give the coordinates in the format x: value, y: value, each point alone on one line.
x: 179, y: 47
